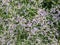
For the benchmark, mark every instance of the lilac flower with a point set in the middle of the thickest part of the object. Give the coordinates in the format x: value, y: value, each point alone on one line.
x: 53, y: 10
x: 42, y: 12
x: 5, y: 2
x: 33, y: 31
x: 29, y: 24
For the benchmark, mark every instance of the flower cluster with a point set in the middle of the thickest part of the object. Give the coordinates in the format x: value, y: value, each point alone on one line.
x: 25, y: 22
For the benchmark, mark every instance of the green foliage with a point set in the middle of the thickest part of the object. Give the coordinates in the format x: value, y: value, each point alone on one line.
x: 50, y: 17
x: 4, y: 15
x: 24, y: 1
x: 38, y: 26
x: 47, y: 4
x: 1, y: 28
x: 27, y: 12
x: 22, y: 34
x: 41, y: 36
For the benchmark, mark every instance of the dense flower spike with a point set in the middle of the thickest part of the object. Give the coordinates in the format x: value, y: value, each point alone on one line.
x: 29, y: 22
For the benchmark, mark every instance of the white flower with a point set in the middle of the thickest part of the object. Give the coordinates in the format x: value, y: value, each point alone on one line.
x: 8, y: 43
x: 24, y: 25
x: 34, y: 30
x: 19, y: 5
x: 42, y: 12
x: 5, y: 2
x: 27, y: 29
x: 38, y: 40
x: 29, y: 24
x: 53, y: 10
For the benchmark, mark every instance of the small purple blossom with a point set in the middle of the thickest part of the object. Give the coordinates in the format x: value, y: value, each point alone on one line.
x: 42, y: 12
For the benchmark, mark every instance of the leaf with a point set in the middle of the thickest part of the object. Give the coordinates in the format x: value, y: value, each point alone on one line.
x: 41, y: 36
x: 1, y: 27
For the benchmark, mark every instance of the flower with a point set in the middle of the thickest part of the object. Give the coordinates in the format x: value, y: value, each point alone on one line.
x: 5, y: 2
x: 29, y: 24
x: 33, y: 31
x: 42, y: 12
